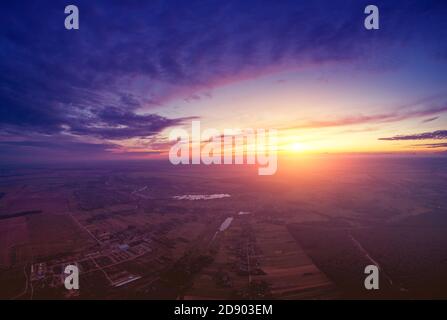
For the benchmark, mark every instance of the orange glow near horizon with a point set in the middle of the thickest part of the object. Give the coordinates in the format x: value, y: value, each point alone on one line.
x: 291, y: 144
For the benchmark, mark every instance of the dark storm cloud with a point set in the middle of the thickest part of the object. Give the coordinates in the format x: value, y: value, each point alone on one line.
x: 83, y: 82
x: 440, y: 134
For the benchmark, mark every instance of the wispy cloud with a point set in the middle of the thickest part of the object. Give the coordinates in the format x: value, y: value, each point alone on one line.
x: 368, y: 129
x: 431, y: 145
x: 435, y: 135
x: 429, y: 119
x: 130, y: 56
x: 400, y: 114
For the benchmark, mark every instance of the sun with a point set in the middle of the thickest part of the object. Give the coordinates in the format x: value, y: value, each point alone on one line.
x: 296, y: 147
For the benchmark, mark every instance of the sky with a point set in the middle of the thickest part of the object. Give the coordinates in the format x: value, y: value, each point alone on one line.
x: 137, y: 69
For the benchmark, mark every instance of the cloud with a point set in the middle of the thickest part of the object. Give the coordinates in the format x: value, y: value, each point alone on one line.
x: 432, y: 145
x: 130, y: 55
x: 115, y: 123
x: 435, y: 135
x: 175, y: 48
x: 429, y: 119
x: 368, y: 129
x: 401, y: 113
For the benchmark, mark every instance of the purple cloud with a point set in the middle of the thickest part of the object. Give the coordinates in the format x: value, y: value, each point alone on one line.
x: 435, y: 135
x: 131, y: 55
x: 401, y: 113
x: 429, y: 119
x: 117, y: 123
x: 431, y: 145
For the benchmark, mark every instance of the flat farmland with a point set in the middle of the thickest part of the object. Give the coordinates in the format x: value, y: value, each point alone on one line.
x: 13, y: 232
x: 290, y: 273
x: 258, y: 259
x: 50, y: 235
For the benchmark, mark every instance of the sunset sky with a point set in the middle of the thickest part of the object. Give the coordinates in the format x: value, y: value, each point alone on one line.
x: 137, y: 69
